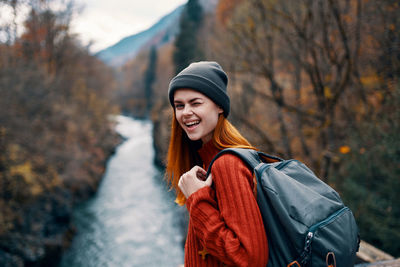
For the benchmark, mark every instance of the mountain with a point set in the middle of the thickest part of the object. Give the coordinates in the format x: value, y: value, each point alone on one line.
x: 158, y: 34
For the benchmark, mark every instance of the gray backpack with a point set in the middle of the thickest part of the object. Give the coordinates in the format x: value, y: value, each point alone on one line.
x: 305, y: 220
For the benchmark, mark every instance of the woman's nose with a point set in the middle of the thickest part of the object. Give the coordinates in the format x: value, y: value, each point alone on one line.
x: 187, y: 110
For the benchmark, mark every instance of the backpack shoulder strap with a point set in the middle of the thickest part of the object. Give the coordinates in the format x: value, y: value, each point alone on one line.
x: 251, y: 157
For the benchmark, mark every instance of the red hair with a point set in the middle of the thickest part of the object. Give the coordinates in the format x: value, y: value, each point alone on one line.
x: 182, y: 152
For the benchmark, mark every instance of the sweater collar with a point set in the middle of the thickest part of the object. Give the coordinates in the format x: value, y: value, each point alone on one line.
x: 207, y: 152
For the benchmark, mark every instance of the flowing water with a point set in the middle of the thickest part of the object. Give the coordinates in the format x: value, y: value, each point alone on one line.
x: 132, y: 220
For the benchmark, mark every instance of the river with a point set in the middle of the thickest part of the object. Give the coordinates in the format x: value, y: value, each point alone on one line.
x: 132, y: 220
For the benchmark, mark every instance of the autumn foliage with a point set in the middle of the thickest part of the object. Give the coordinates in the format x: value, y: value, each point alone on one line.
x: 319, y: 81
x: 54, y: 133
x: 315, y: 80
x: 225, y: 10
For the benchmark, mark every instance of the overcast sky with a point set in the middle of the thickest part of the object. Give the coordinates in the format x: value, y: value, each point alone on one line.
x: 105, y: 22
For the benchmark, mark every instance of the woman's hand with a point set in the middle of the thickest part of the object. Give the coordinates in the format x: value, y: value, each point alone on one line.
x: 194, y: 180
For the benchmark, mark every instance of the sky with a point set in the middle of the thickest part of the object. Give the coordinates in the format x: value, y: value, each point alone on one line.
x: 105, y: 22
x: 102, y: 23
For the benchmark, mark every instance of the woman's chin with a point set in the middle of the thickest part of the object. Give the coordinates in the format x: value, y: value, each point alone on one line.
x: 194, y: 137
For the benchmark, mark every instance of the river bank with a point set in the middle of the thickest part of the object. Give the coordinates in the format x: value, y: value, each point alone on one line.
x: 132, y: 220
x: 36, y: 225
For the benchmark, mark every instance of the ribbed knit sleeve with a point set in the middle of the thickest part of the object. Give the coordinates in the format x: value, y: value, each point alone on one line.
x: 225, y: 217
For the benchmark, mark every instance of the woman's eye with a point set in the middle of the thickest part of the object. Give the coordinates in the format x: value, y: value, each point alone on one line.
x: 196, y: 103
x: 179, y: 106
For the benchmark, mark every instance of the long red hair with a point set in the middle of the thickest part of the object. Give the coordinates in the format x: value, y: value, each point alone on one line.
x: 182, y: 152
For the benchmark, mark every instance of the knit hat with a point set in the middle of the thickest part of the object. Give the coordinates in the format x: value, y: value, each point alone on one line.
x: 206, y: 77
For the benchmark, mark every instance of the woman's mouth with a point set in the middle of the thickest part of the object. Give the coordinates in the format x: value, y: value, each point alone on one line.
x: 192, y: 124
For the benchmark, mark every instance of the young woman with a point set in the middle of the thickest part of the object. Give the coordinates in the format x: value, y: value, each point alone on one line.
x: 225, y: 224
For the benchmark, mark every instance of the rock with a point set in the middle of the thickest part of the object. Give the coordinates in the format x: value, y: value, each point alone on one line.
x: 9, y: 260
x: 27, y: 247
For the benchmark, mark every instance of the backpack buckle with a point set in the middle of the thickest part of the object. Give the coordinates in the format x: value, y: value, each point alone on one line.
x: 330, y: 259
x: 294, y: 264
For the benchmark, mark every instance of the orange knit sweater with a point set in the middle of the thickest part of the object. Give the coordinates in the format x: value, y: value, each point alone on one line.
x: 225, y: 225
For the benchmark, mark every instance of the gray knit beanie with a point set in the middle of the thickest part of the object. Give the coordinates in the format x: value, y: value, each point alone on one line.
x: 206, y: 77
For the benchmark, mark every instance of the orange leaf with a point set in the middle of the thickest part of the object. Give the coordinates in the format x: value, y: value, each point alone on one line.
x: 344, y: 149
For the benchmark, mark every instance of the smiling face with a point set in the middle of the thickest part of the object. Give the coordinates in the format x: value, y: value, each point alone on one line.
x: 196, y: 114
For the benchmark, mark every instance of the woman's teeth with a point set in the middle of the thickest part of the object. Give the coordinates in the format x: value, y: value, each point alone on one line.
x: 189, y: 124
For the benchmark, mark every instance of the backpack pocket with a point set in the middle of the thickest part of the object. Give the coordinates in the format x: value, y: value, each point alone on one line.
x: 294, y: 200
x: 336, y: 236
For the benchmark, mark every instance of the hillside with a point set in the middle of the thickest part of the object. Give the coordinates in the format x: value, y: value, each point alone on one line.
x: 159, y: 34
x: 126, y: 49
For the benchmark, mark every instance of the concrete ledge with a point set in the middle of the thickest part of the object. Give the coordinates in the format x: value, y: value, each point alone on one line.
x: 369, y: 254
x: 389, y: 263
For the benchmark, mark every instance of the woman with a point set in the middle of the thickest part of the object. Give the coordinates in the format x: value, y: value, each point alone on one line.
x: 225, y: 224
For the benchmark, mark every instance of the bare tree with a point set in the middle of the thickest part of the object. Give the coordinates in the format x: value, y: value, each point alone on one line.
x: 311, y: 44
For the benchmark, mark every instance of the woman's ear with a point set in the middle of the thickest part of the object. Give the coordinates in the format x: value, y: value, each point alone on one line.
x: 220, y: 110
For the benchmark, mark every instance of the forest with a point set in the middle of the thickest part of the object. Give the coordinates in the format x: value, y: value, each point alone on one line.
x: 315, y: 80
x: 55, y: 133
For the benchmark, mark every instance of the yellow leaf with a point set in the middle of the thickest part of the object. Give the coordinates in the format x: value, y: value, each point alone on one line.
x: 370, y: 80
x: 328, y: 92
x: 25, y: 170
x: 311, y: 111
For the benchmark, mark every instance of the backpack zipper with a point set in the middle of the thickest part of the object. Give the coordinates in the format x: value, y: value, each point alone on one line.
x: 313, y: 228
x: 324, y: 222
x: 305, y: 255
